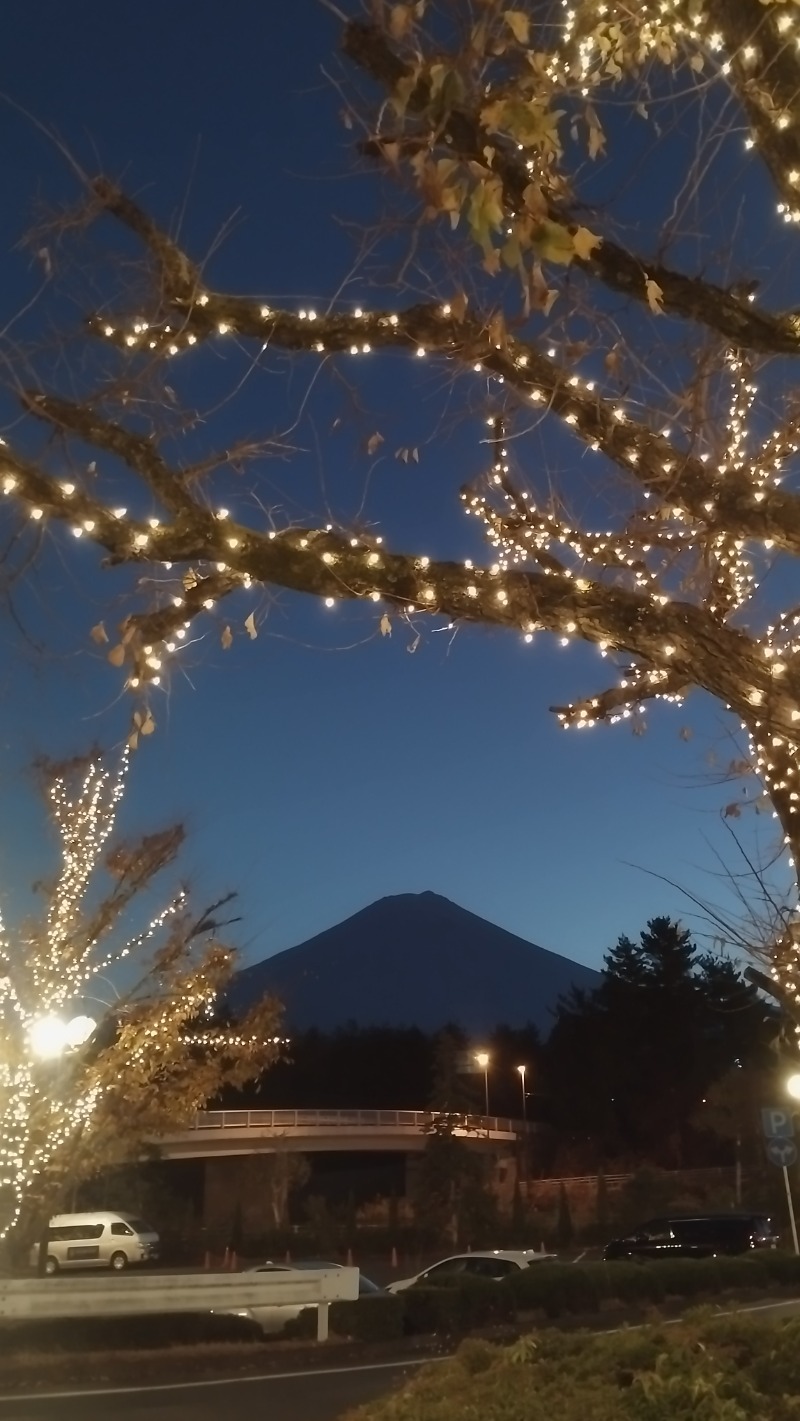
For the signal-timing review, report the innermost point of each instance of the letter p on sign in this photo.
(777, 1123)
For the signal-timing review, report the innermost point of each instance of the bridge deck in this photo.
(235, 1132)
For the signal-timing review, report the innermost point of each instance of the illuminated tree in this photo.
(591, 333)
(92, 1069)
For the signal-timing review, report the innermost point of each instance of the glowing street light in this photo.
(522, 1070)
(793, 1086)
(482, 1059)
(49, 1037)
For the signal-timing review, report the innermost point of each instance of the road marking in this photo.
(334, 1371)
(217, 1381)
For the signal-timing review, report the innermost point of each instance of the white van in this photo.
(102, 1239)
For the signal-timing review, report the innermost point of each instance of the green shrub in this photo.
(378, 1319)
(556, 1288)
(706, 1369)
(456, 1307)
(781, 1268)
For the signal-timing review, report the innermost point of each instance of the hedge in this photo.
(374, 1319)
(126, 1334)
(456, 1307)
(559, 1289)
(703, 1369)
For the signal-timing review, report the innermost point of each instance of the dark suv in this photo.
(695, 1236)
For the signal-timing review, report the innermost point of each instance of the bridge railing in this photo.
(344, 1119)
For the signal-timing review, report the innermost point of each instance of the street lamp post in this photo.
(523, 1149)
(482, 1060)
(522, 1070)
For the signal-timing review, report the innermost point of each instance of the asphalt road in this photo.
(308, 1396)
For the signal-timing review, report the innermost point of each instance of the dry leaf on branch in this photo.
(250, 626)
(226, 638)
(655, 296)
(519, 25)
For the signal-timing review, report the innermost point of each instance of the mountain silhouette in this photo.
(414, 959)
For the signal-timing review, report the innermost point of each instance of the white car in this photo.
(496, 1263)
(273, 1317)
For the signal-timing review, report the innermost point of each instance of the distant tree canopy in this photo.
(629, 1065)
(394, 1068)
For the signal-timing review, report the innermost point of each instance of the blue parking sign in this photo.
(777, 1123)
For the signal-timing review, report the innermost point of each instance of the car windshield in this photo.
(139, 1226)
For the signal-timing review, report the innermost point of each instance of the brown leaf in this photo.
(733, 811)
(458, 306)
(497, 330)
(250, 626)
(374, 443)
(99, 634)
(226, 638)
(519, 25)
(655, 296)
(117, 655)
(612, 361)
(133, 740)
(386, 626)
(585, 242)
(148, 725)
(400, 20)
(190, 579)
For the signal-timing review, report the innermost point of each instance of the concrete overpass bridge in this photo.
(217, 1133)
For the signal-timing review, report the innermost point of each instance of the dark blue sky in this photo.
(317, 778)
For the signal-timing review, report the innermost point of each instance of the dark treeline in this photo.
(665, 1062)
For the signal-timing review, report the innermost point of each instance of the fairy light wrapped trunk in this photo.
(489, 115)
(92, 1068)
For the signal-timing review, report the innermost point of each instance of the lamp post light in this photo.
(49, 1036)
(482, 1059)
(522, 1070)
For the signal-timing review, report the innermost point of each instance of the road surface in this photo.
(307, 1396)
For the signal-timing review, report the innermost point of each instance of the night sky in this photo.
(323, 765)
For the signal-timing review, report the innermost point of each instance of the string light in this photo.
(54, 1082)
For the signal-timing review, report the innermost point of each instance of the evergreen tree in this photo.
(628, 1065)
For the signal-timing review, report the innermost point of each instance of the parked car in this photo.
(497, 1263)
(102, 1239)
(273, 1317)
(695, 1236)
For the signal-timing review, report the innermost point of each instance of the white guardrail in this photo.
(38, 1298)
